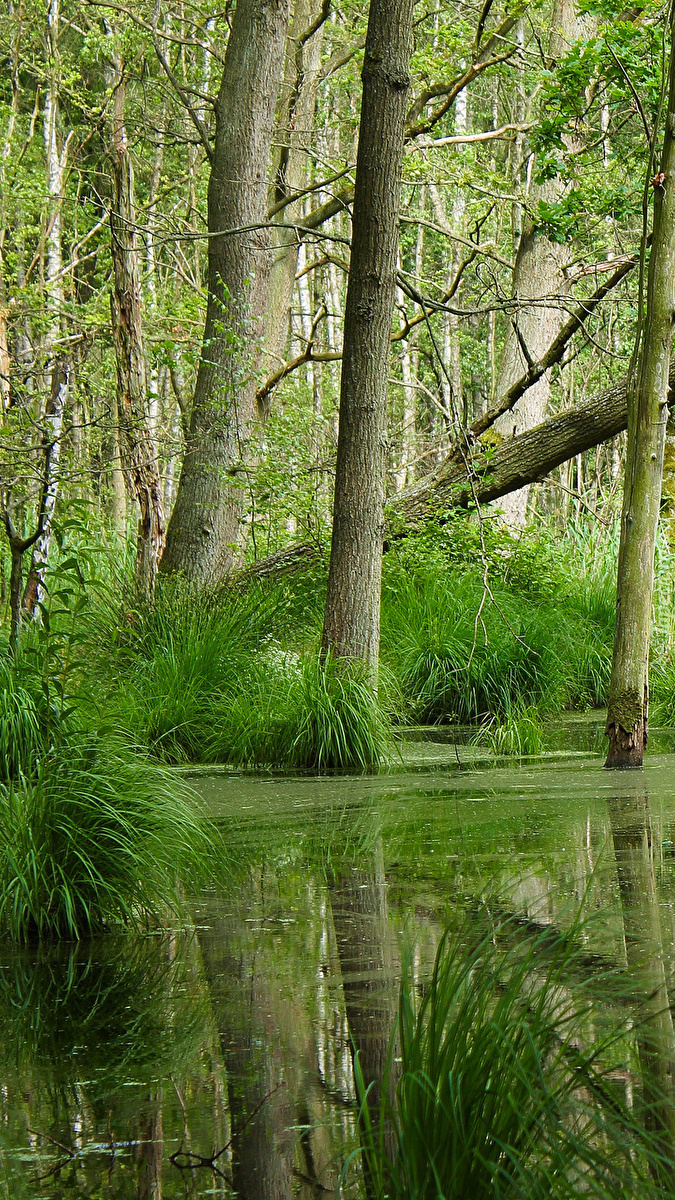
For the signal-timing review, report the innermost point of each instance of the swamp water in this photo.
(186, 1064)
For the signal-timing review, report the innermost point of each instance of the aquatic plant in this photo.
(93, 835)
(502, 1089)
(518, 732)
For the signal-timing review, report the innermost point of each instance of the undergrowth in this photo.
(482, 630)
(91, 833)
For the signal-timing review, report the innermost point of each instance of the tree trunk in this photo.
(59, 373)
(50, 486)
(303, 59)
(206, 516)
(647, 414)
(538, 274)
(137, 451)
(352, 618)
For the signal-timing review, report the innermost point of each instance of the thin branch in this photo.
(314, 187)
(554, 353)
(466, 139)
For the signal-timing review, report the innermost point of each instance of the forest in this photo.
(336, 451)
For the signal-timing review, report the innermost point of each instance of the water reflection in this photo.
(221, 1061)
(99, 1045)
(633, 840)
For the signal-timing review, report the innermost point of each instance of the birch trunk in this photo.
(58, 374)
(628, 707)
(53, 425)
(352, 617)
(204, 525)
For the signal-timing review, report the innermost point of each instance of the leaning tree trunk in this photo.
(647, 414)
(458, 485)
(205, 521)
(137, 450)
(352, 619)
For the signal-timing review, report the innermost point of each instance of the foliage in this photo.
(500, 1092)
(463, 652)
(338, 719)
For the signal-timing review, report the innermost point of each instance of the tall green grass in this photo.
(222, 678)
(505, 1088)
(233, 675)
(96, 836)
(91, 833)
(463, 655)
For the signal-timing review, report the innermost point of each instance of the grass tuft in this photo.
(503, 1089)
(338, 721)
(95, 836)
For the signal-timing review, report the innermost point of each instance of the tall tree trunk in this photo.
(647, 414)
(137, 450)
(206, 516)
(352, 617)
(303, 59)
(538, 274)
(59, 374)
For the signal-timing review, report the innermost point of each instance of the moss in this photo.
(491, 439)
(626, 710)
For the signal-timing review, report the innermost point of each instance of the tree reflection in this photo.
(97, 1042)
(632, 835)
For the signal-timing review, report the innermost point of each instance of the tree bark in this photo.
(539, 275)
(205, 521)
(352, 617)
(137, 451)
(303, 60)
(50, 486)
(627, 712)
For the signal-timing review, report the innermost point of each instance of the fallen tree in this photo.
(475, 475)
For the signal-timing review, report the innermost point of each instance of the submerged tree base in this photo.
(626, 748)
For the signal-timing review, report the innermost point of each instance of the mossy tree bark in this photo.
(647, 414)
(352, 618)
(204, 525)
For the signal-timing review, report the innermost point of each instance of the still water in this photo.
(218, 1056)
